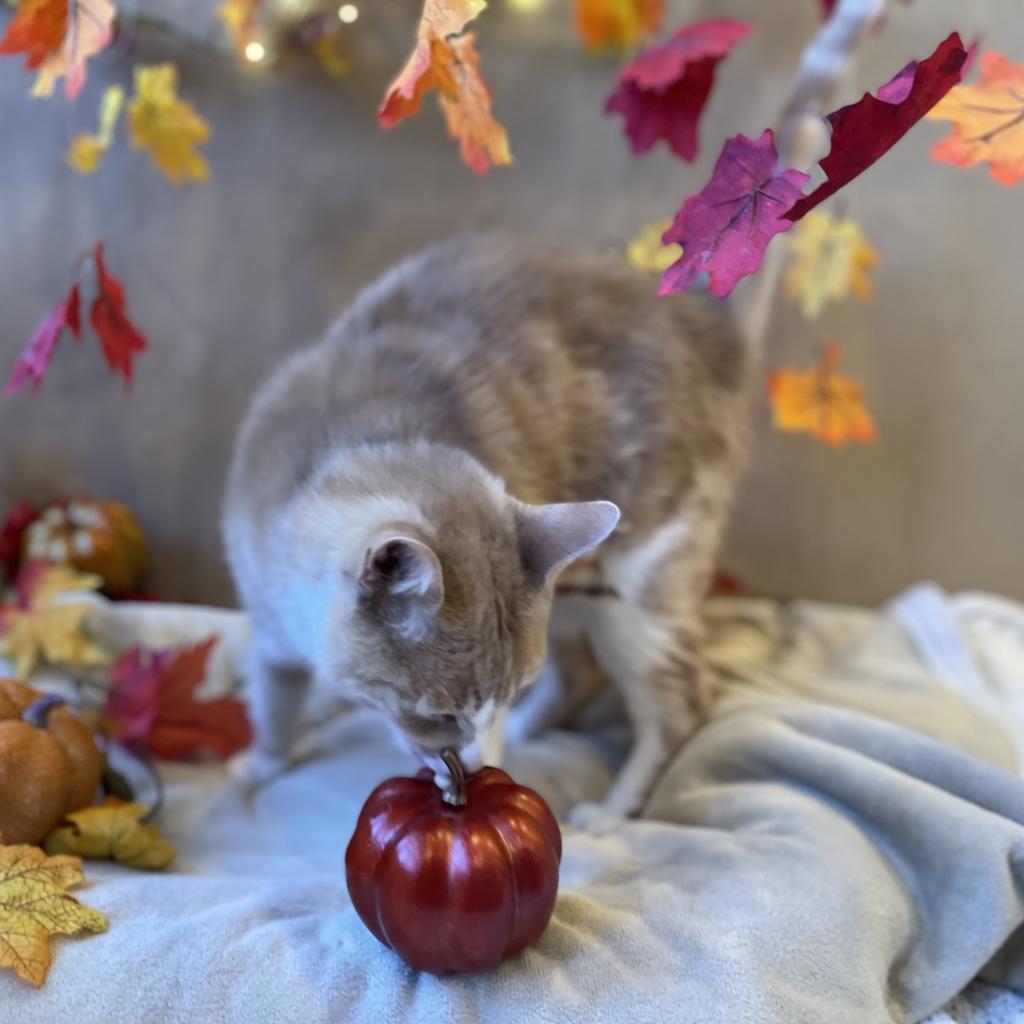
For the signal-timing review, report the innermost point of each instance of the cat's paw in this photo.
(593, 817)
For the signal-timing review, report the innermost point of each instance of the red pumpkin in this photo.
(454, 887)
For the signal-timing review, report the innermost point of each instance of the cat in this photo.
(404, 494)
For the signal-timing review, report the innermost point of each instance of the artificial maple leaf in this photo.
(36, 30)
(725, 228)
(46, 627)
(866, 130)
(240, 18)
(428, 67)
(617, 23)
(118, 336)
(166, 126)
(988, 121)
(35, 359)
(35, 905)
(468, 113)
(662, 92)
(820, 402)
(86, 151)
(112, 831)
(647, 251)
(152, 701)
(830, 258)
(88, 29)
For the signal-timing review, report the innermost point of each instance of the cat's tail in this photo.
(801, 136)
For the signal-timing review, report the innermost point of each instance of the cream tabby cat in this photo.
(405, 493)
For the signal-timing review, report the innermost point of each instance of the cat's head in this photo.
(450, 611)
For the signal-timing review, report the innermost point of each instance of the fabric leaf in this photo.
(662, 92)
(34, 361)
(88, 30)
(866, 130)
(166, 126)
(820, 402)
(725, 228)
(830, 258)
(36, 30)
(647, 251)
(86, 151)
(152, 700)
(988, 121)
(120, 340)
(112, 831)
(35, 905)
(618, 24)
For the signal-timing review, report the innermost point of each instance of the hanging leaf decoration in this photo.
(662, 92)
(617, 24)
(830, 258)
(86, 151)
(725, 228)
(34, 361)
(820, 402)
(988, 121)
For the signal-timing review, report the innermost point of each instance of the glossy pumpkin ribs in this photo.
(455, 888)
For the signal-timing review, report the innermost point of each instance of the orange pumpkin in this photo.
(101, 537)
(49, 763)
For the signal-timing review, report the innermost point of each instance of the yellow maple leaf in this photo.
(50, 628)
(89, 30)
(648, 252)
(165, 125)
(112, 831)
(830, 258)
(35, 905)
(325, 50)
(467, 110)
(988, 121)
(240, 18)
(617, 23)
(820, 402)
(86, 151)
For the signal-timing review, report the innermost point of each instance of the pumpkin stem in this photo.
(36, 713)
(458, 774)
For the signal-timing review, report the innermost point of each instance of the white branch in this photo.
(802, 135)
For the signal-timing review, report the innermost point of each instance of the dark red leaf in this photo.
(118, 335)
(152, 701)
(724, 228)
(12, 533)
(35, 359)
(866, 130)
(663, 91)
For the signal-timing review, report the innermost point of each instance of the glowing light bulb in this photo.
(255, 52)
(527, 6)
(348, 13)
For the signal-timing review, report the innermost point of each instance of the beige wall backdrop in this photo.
(310, 201)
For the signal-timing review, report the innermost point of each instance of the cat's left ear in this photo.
(552, 536)
(402, 582)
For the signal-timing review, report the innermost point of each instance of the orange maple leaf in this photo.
(617, 23)
(820, 402)
(37, 30)
(448, 62)
(468, 112)
(988, 121)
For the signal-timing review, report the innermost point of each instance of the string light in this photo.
(527, 6)
(255, 52)
(348, 13)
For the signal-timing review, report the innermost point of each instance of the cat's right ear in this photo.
(402, 583)
(552, 536)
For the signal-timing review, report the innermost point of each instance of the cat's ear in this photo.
(552, 536)
(402, 582)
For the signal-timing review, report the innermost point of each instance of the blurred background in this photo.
(310, 200)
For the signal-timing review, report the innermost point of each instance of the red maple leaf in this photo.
(152, 701)
(37, 30)
(866, 130)
(663, 91)
(725, 227)
(118, 335)
(34, 360)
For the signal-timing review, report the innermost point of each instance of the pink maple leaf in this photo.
(725, 228)
(865, 131)
(34, 361)
(663, 91)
